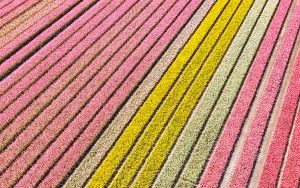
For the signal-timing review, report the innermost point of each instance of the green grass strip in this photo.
(123, 145)
(214, 124)
(96, 154)
(172, 167)
(159, 153)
